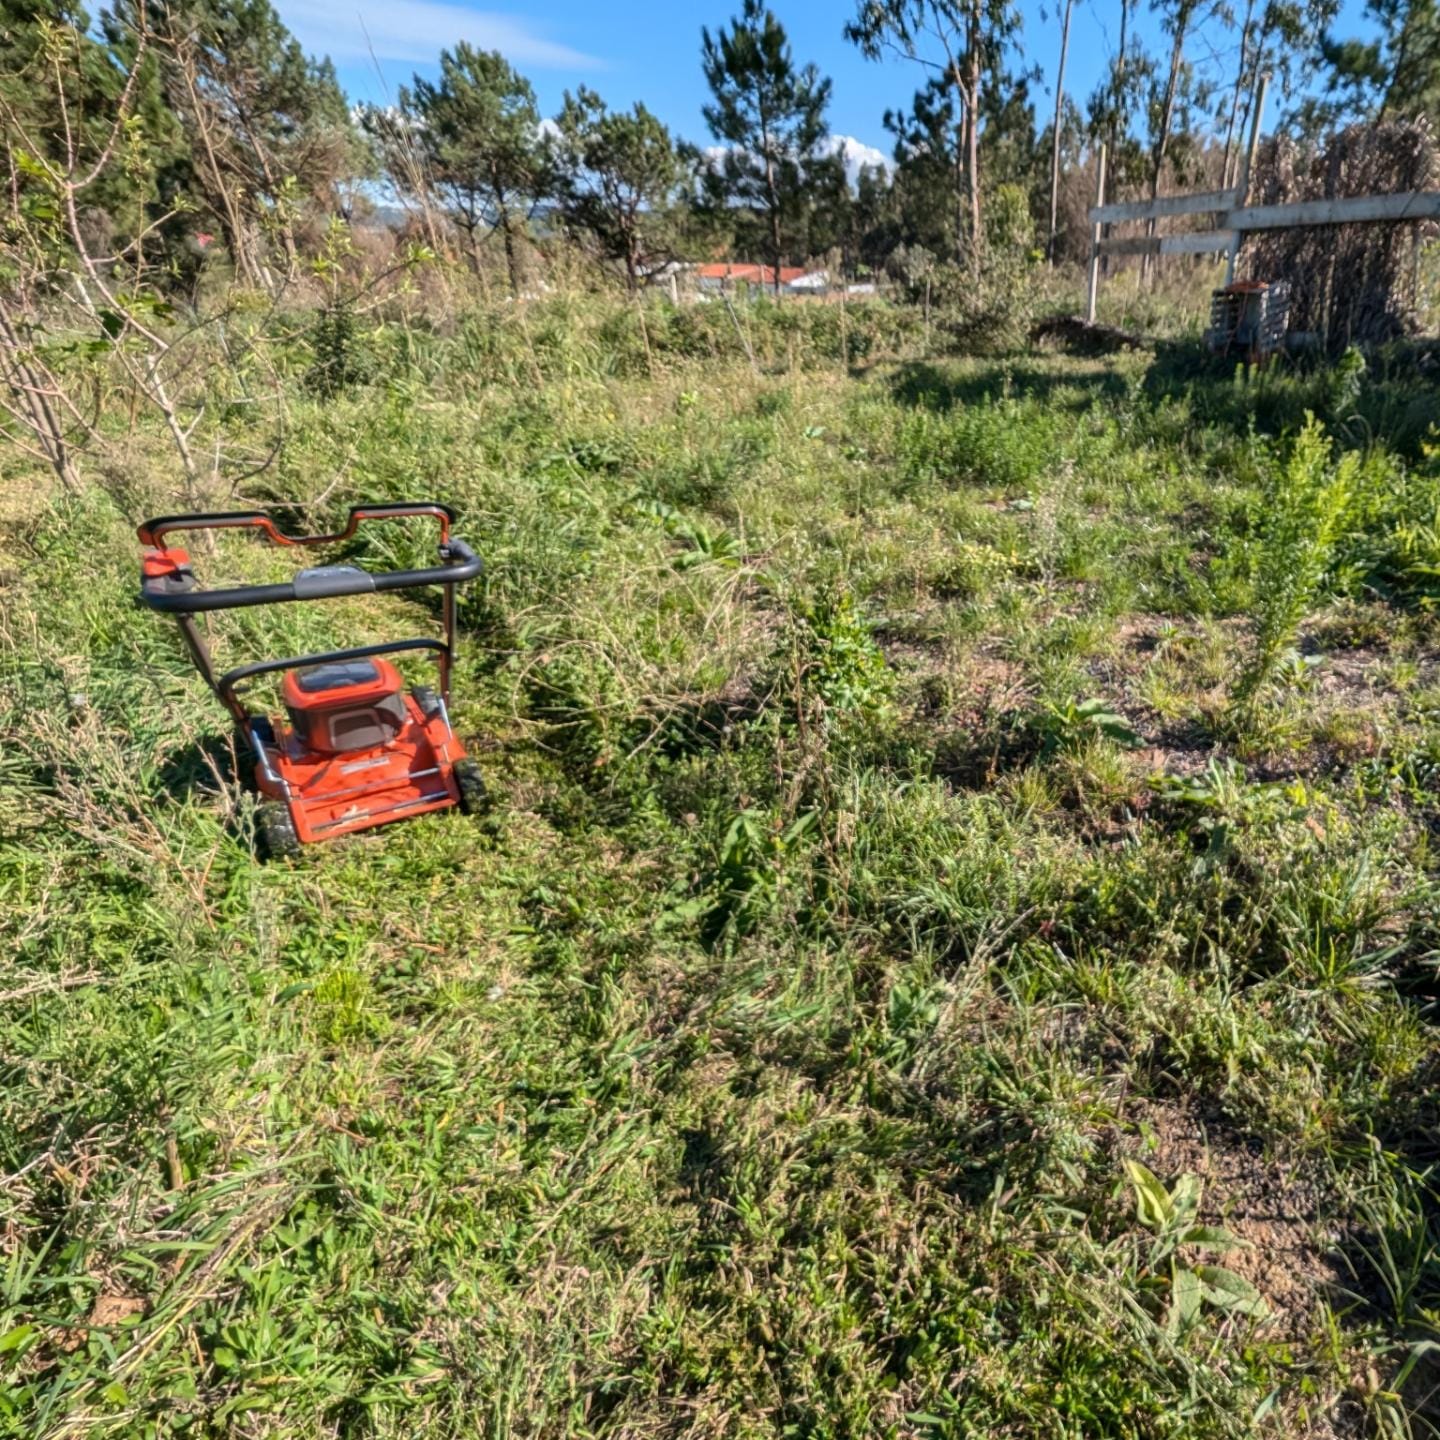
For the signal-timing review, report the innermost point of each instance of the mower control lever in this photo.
(225, 686)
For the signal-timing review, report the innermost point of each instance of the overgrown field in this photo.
(952, 952)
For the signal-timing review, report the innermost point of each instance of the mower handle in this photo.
(324, 583)
(225, 686)
(153, 532)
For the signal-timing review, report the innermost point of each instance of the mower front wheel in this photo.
(275, 831)
(470, 781)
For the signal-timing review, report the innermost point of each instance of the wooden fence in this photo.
(1233, 217)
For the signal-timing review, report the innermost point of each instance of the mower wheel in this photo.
(471, 783)
(426, 699)
(275, 831)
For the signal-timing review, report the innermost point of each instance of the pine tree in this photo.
(771, 115)
(617, 171)
(1394, 76)
(45, 44)
(268, 127)
(477, 135)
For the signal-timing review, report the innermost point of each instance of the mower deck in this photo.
(332, 795)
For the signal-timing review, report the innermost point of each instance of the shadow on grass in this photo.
(207, 766)
(922, 384)
(1397, 400)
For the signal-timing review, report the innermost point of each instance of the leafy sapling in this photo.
(1182, 1286)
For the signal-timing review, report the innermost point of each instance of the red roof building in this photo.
(725, 274)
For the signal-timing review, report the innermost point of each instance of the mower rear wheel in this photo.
(426, 699)
(275, 831)
(471, 784)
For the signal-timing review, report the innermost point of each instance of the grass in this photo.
(882, 880)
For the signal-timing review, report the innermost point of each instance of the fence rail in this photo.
(1194, 204)
(1233, 218)
(1203, 242)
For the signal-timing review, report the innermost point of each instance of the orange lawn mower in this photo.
(359, 750)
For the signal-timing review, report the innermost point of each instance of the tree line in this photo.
(229, 136)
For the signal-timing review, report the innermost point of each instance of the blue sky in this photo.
(651, 51)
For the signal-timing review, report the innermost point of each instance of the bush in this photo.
(1304, 502)
(344, 353)
(993, 312)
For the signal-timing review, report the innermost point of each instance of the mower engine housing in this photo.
(345, 705)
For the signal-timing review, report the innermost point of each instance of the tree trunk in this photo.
(224, 203)
(512, 260)
(39, 413)
(972, 107)
(1225, 181)
(1167, 117)
(1118, 85)
(773, 200)
(273, 187)
(1055, 147)
(960, 177)
(632, 269)
(507, 234)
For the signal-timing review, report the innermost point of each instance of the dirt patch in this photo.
(1274, 1206)
(112, 1309)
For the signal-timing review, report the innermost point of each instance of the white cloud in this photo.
(858, 156)
(415, 31)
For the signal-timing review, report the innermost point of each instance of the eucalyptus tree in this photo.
(963, 41)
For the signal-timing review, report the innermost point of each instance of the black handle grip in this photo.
(323, 584)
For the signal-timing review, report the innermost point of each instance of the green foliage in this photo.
(341, 358)
(617, 174)
(993, 312)
(1071, 724)
(968, 98)
(1342, 382)
(477, 133)
(771, 1048)
(1394, 74)
(276, 123)
(844, 667)
(1009, 230)
(1186, 1286)
(771, 114)
(1304, 502)
(744, 886)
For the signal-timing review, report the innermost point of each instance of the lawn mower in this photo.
(358, 750)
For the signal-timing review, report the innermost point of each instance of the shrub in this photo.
(344, 354)
(1305, 499)
(993, 311)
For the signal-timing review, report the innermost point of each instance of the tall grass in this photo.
(868, 891)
